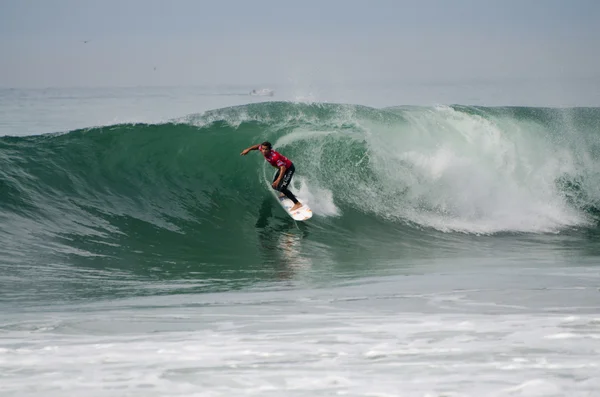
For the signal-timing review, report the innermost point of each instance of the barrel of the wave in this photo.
(295, 207)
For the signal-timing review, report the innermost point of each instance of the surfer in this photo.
(285, 170)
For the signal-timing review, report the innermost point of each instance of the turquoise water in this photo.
(453, 249)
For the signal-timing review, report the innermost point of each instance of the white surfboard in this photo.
(301, 214)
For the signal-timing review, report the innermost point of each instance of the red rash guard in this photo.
(277, 159)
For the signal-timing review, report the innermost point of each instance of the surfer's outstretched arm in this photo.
(253, 147)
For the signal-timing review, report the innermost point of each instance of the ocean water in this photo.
(454, 248)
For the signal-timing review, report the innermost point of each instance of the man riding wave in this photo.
(285, 170)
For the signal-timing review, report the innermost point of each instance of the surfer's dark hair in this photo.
(267, 144)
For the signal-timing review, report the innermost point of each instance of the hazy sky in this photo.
(192, 42)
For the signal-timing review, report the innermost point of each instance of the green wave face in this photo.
(177, 198)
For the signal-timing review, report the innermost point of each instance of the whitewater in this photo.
(453, 249)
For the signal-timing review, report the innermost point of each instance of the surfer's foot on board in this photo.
(281, 195)
(296, 206)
